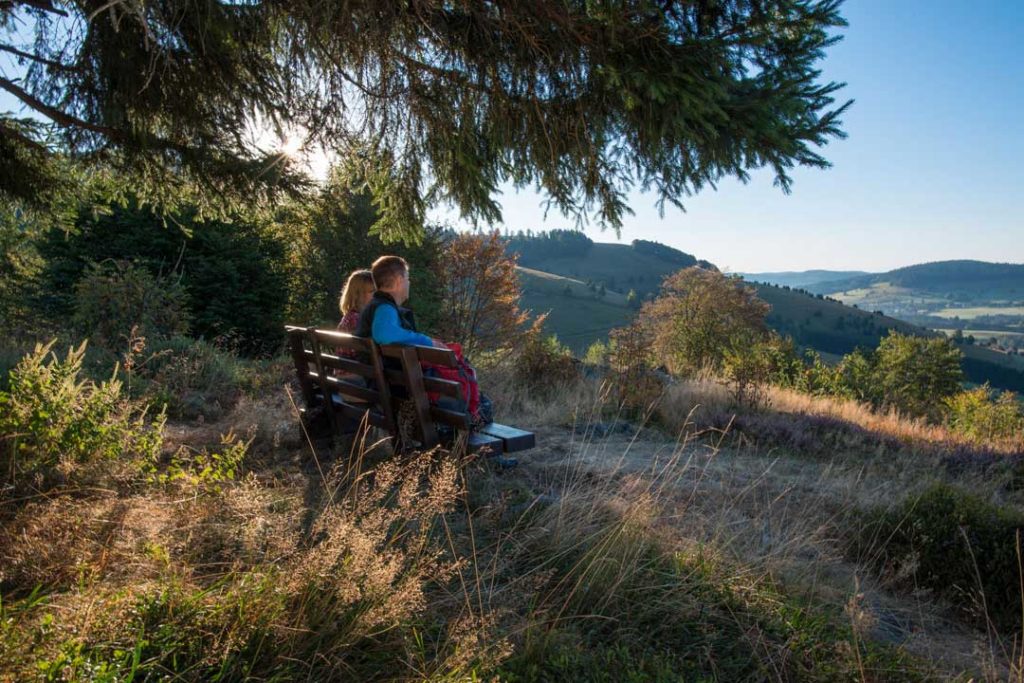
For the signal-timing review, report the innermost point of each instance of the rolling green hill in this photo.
(578, 316)
(620, 267)
(827, 325)
(945, 294)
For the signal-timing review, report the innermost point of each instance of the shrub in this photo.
(120, 300)
(981, 416)
(51, 421)
(748, 372)
(234, 273)
(203, 470)
(818, 378)
(542, 362)
(751, 369)
(915, 374)
(954, 543)
(597, 354)
(699, 315)
(634, 385)
(854, 378)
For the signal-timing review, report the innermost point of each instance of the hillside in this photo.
(983, 300)
(620, 267)
(827, 325)
(579, 316)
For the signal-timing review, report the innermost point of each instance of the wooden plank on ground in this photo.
(514, 439)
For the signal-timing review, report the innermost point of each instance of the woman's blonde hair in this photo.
(359, 283)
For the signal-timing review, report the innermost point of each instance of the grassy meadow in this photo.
(971, 312)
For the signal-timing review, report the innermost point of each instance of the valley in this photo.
(589, 288)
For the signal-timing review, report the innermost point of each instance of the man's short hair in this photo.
(387, 269)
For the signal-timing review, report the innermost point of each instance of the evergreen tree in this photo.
(425, 101)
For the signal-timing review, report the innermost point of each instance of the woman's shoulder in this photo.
(349, 322)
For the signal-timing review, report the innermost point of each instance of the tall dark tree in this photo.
(428, 100)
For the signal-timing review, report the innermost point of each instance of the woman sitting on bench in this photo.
(356, 293)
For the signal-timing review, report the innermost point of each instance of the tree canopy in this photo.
(425, 101)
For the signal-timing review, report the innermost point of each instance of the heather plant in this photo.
(52, 420)
(955, 544)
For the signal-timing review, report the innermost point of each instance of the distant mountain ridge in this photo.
(803, 278)
(965, 274)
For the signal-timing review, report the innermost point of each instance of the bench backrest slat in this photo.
(425, 354)
(334, 338)
(347, 389)
(431, 384)
(315, 363)
(348, 365)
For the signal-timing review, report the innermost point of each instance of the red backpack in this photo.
(463, 373)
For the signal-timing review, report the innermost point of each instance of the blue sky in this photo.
(931, 170)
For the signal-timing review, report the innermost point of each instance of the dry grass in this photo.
(822, 426)
(610, 554)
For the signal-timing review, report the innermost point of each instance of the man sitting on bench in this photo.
(386, 321)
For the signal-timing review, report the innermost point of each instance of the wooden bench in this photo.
(367, 388)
